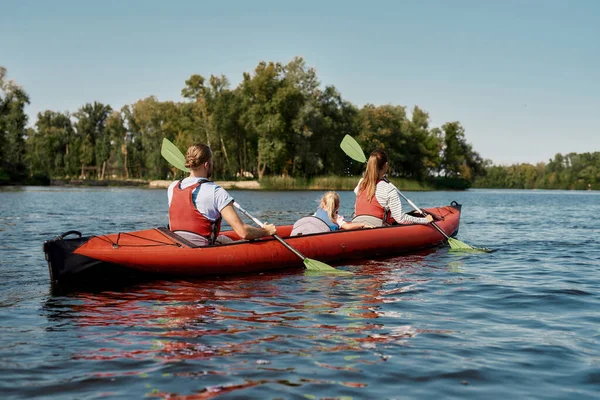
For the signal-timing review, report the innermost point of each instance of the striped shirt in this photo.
(387, 195)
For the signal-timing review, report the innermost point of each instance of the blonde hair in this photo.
(329, 201)
(196, 155)
(376, 162)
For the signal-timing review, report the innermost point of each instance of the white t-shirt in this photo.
(209, 197)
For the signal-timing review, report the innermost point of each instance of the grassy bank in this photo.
(105, 182)
(529, 186)
(332, 183)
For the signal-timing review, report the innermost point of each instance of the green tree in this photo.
(13, 128)
(148, 122)
(459, 160)
(422, 148)
(220, 113)
(266, 116)
(118, 138)
(94, 147)
(50, 145)
(385, 127)
(337, 118)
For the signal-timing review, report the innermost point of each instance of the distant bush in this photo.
(445, 183)
(283, 183)
(4, 177)
(412, 185)
(333, 182)
(14, 175)
(38, 179)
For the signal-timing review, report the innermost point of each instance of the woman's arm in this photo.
(244, 230)
(391, 199)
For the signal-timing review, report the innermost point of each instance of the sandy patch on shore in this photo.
(247, 185)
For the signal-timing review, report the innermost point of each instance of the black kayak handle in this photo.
(70, 233)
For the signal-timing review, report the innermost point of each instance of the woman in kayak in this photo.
(326, 218)
(197, 205)
(377, 199)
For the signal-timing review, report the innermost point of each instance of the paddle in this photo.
(354, 151)
(312, 265)
(171, 153)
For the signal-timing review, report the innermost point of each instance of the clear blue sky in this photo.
(523, 77)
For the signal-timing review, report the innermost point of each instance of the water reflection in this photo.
(280, 327)
(523, 319)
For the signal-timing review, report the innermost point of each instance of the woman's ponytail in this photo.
(376, 162)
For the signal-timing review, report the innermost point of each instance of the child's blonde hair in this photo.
(330, 202)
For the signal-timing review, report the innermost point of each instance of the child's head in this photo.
(330, 202)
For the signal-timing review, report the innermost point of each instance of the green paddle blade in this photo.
(314, 267)
(172, 154)
(457, 245)
(353, 149)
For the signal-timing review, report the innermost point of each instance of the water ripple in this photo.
(521, 322)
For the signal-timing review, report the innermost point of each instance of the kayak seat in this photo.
(377, 222)
(187, 239)
(309, 225)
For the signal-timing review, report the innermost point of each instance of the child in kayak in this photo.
(326, 218)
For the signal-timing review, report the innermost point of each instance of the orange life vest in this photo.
(373, 208)
(184, 216)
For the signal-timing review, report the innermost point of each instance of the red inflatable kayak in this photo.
(159, 251)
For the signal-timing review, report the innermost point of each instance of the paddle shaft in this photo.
(256, 221)
(422, 213)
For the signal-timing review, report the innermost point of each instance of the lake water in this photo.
(523, 322)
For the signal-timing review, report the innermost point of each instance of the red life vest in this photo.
(184, 216)
(373, 208)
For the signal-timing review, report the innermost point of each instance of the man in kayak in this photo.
(197, 205)
(377, 199)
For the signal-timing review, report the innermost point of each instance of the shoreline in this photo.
(250, 185)
(226, 184)
(267, 183)
(243, 185)
(275, 184)
(270, 185)
(143, 183)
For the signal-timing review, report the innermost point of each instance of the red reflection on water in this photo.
(208, 393)
(345, 368)
(184, 320)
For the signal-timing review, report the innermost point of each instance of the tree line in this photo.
(570, 171)
(278, 121)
